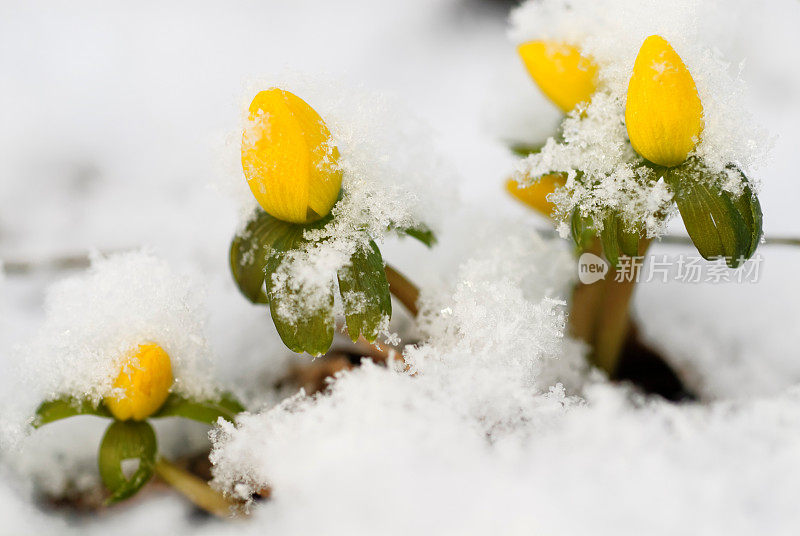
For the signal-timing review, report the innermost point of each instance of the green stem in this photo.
(585, 304)
(403, 289)
(613, 318)
(612, 325)
(195, 489)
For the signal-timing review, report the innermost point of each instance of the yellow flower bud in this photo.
(535, 195)
(664, 114)
(288, 158)
(144, 381)
(565, 76)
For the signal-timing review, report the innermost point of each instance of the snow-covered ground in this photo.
(119, 130)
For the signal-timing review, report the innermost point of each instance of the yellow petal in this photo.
(535, 195)
(289, 160)
(561, 72)
(142, 385)
(663, 114)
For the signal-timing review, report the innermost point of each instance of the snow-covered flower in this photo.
(328, 198)
(143, 384)
(97, 322)
(288, 158)
(125, 342)
(659, 132)
(563, 74)
(664, 115)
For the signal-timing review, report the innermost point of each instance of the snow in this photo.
(611, 465)
(489, 343)
(94, 320)
(116, 118)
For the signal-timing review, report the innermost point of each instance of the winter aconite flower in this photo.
(535, 195)
(289, 159)
(664, 115)
(294, 254)
(143, 384)
(565, 76)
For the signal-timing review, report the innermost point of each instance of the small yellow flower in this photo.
(565, 76)
(144, 379)
(288, 158)
(535, 195)
(664, 114)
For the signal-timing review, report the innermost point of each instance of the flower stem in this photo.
(377, 350)
(195, 489)
(612, 324)
(403, 289)
(613, 318)
(585, 304)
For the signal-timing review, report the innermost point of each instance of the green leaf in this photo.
(255, 256)
(249, 253)
(311, 333)
(617, 239)
(128, 442)
(750, 209)
(420, 232)
(54, 410)
(712, 219)
(628, 239)
(206, 411)
(365, 293)
(250, 250)
(526, 149)
(582, 230)
(610, 240)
